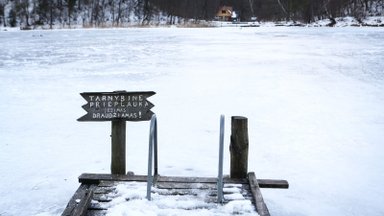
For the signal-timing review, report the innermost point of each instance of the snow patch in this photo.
(129, 199)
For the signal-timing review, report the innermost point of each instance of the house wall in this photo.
(224, 13)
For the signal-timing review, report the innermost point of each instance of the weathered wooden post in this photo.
(118, 147)
(118, 107)
(239, 147)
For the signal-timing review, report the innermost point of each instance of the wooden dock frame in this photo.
(80, 204)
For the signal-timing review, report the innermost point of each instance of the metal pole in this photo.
(220, 183)
(152, 141)
(156, 171)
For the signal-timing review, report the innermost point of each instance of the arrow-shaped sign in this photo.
(118, 105)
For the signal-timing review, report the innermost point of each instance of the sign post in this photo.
(118, 147)
(117, 107)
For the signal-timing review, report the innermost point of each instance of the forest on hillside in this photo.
(106, 13)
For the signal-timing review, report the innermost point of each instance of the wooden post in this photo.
(118, 147)
(239, 147)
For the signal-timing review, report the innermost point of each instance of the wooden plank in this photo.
(101, 198)
(272, 183)
(186, 179)
(79, 194)
(188, 192)
(104, 190)
(89, 178)
(178, 192)
(261, 207)
(183, 185)
(97, 205)
(80, 201)
(81, 209)
(107, 184)
(96, 213)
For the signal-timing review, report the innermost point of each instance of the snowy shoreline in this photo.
(372, 21)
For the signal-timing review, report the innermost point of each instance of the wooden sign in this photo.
(118, 105)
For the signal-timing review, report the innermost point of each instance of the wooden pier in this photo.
(96, 194)
(91, 196)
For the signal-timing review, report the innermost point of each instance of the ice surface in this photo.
(313, 96)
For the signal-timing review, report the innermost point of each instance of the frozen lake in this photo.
(314, 99)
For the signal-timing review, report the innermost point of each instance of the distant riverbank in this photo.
(372, 21)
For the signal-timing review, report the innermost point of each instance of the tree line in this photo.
(98, 13)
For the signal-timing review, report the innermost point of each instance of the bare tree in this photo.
(70, 8)
(2, 12)
(22, 7)
(282, 7)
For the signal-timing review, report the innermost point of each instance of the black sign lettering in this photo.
(119, 105)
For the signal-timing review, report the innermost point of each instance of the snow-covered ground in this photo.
(372, 21)
(129, 199)
(348, 21)
(313, 96)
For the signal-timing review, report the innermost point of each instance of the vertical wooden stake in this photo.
(118, 147)
(239, 147)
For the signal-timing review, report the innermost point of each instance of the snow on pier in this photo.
(107, 194)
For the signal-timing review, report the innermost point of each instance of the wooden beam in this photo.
(78, 205)
(198, 179)
(183, 185)
(273, 183)
(261, 207)
(89, 178)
